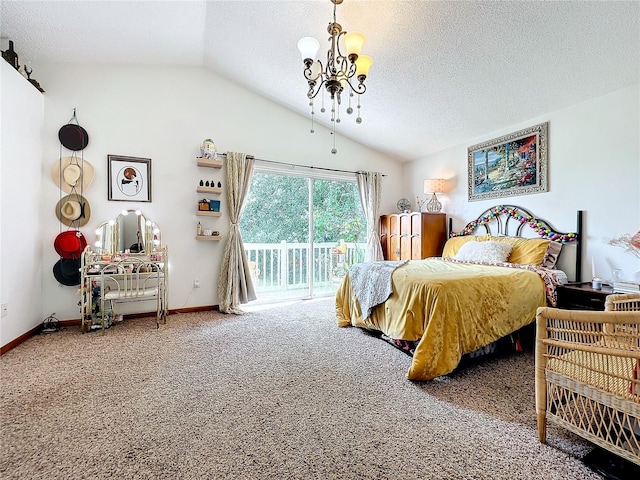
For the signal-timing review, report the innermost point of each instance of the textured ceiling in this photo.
(444, 73)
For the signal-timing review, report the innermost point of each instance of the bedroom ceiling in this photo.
(444, 73)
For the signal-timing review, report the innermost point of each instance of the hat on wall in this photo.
(73, 136)
(72, 172)
(73, 210)
(70, 244)
(67, 271)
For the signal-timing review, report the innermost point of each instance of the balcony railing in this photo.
(282, 267)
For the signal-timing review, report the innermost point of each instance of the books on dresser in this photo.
(626, 286)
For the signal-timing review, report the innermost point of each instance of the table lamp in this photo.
(433, 186)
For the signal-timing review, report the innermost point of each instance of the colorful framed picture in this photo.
(129, 179)
(515, 164)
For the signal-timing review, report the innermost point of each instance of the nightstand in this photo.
(580, 296)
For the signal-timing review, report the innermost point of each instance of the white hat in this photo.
(72, 172)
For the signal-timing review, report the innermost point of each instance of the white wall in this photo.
(594, 165)
(22, 117)
(164, 114)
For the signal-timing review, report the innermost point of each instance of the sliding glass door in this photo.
(301, 233)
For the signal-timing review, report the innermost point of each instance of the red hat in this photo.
(70, 244)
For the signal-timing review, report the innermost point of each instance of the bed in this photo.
(443, 308)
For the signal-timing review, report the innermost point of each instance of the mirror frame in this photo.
(108, 234)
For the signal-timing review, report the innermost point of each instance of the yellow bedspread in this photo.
(451, 308)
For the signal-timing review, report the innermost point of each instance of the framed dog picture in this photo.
(129, 178)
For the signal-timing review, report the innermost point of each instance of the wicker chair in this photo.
(588, 373)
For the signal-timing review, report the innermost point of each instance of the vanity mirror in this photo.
(131, 230)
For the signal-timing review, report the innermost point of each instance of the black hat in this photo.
(67, 271)
(73, 137)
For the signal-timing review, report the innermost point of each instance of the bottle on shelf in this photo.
(11, 56)
(199, 230)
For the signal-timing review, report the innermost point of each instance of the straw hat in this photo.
(70, 244)
(72, 172)
(73, 210)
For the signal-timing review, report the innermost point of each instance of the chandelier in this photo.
(339, 73)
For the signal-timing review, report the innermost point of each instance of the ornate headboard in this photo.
(510, 220)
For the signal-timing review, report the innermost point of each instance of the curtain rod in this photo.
(300, 166)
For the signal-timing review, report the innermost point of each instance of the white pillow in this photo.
(486, 252)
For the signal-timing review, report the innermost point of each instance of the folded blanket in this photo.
(371, 282)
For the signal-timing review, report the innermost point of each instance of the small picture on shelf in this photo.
(209, 205)
(214, 205)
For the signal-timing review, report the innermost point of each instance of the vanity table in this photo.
(127, 264)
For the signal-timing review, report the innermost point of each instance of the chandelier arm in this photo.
(315, 89)
(331, 60)
(349, 70)
(307, 72)
(341, 62)
(360, 87)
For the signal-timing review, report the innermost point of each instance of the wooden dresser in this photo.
(412, 236)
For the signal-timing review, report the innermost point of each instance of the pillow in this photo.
(551, 257)
(486, 252)
(452, 246)
(526, 251)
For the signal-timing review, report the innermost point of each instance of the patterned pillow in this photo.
(453, 245)
(551, 256)
(486, 252)
(532, 251)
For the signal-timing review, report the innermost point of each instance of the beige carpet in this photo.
(280, 393)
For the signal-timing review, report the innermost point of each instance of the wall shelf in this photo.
(204, 213)
(209, 162)
(209, 190)
(208, 238)
(212, 190)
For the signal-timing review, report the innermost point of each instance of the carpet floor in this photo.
(277, 393)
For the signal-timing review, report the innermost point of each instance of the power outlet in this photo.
(5, 309)
(196, 283)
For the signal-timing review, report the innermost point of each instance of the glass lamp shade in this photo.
(363, 63)
(434, 185)
(308, 47)
(353, 41)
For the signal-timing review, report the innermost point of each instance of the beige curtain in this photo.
(235, 285)
(370, 190)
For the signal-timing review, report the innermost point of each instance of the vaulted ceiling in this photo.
(444, 73)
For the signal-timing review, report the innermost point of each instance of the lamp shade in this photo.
(353, 41)
(308, 47)
(363, 63)
(435, 185)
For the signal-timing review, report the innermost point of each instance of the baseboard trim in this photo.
(205, 308)
(22, 338)
(76, 322)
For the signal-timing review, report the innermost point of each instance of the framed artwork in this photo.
(515, 164)
(129, 178)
